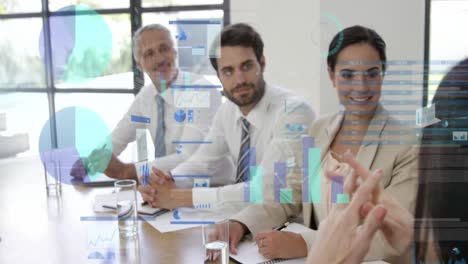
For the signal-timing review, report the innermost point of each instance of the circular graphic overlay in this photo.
(179, 115)
(81, 44)
(84, 145)
(338, 25)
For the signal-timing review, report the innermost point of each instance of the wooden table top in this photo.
(36, 228)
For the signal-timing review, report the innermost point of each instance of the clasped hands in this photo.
(160, 191)
(346, 234)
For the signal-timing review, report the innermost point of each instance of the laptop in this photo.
(100, 181)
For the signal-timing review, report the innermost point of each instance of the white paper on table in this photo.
(175, 220)
(188, 218)
(111, 199)
(247, 251)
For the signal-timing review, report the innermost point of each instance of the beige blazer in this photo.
(380, 148)
(388, 145)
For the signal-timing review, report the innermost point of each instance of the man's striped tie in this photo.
(159, 142)
(243, 165)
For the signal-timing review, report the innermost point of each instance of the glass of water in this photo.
(52, 172)
(125, 191)
(216, 241)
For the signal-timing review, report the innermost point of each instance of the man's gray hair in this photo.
(136, 37)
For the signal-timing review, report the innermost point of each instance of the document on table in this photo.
(101, 200)
(106, 203)
(178, 219)
(247, 251)
(183, 218)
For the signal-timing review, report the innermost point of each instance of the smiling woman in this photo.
(366, 131)
(357, 70)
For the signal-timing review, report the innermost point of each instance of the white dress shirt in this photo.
(144, 106)
(270, 121)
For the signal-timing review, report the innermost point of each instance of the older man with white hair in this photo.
(155, 108)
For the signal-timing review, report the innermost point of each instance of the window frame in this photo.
(427, 39)
(136, 11)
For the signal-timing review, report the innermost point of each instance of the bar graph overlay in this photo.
(249, 182)
(282, 193)
(336, 187)
(286, 195)
(315, 174)
(342, 198)
(256, 184)
(280, 179)
(307, 143)
(311, 171)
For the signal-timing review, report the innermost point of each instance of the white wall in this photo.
(295, 34)
(401, 25)
(291, 49)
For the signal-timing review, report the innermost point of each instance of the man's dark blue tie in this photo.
(243, 165)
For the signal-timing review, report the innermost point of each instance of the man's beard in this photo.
(258, 92)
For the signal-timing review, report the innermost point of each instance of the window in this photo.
(78, 53)
(25, 113)
(21, 65)
(153, 3)
(55, 5)
(78, 62)
(448, 41)
(16, 6)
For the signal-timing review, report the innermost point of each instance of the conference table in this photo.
(40, 228)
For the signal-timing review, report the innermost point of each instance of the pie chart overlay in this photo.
(80, 131)
(339, 27)
(179, 115)
(81, 44)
